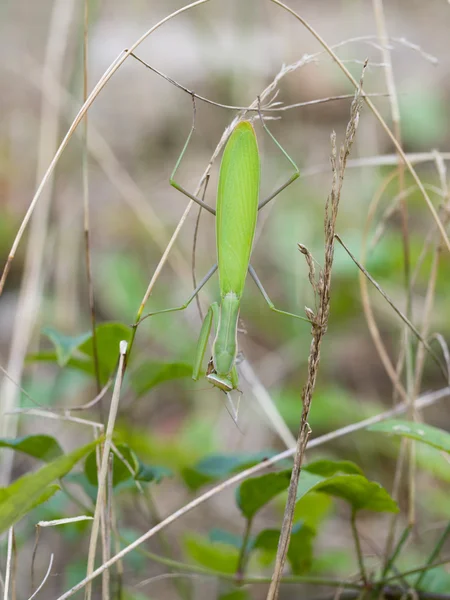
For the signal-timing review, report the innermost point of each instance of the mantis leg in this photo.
(256, 279)
(176, 185)
(291, 179)
(203, 339)
(205, 279)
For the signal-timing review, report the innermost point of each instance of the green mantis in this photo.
(236, 215)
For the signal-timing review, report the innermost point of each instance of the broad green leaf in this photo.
(307, 482)
(152, 472)
(300, 552)
(438, 438)
(255, 493)
(44, 447)
(49, 491)
(80, 357)
(435, 581)
(83, 364)
(359, 492)
(19, 497)
(326, 468)
(218, 466)
(65, 345)
(312, 509)
(152, 373)
(108, 338)
(433, 461)
(217, 556)
(121, 471)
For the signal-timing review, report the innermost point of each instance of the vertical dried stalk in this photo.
(102, 475)
(31, 285)
(87, 231)
(319, 327)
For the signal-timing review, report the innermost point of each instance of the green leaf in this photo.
(435, 581)
(218, 466)
(255, 493)
(152, 373)
(438, 438)
(121, 472)
(49, 491)
(65, 345)
(327, 468)
(108, 338)
(359, 492)
(300, 552)
(44, 447)
(77, 352)
(312, 509)
(150, 473)
(217, 556)
(21, 496)
(307, 482)
(85, 365)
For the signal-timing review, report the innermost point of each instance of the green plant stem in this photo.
(243, 553)
(421, 569)
(362, 568)
(294, 579)
(434, 554)
(396, 552)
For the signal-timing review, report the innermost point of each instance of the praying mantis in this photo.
(236, 216)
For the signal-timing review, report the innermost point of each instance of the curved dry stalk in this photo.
(43, 582)
(405, 320)
(79, 117)
(365, 299)
(103, 471)
(377, 115)
(422, 402)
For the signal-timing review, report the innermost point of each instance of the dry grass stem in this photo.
(102, 475)
(319, 328)
(274, 419)
(115, 65)
(378, 116)
(424, 401)
(44, 580)
(403, 317)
